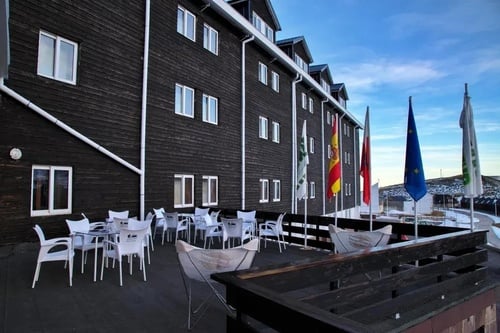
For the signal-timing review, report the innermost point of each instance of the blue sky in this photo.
(387, 50)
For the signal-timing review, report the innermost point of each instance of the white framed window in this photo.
(328, 117)
(311, 145)
(210, 39)
(276, 131)
(51, 190)
(263, 127)
(275, 81)
(276, 190)
(325, 85)
(210, 109)
(301, 63)
(264, 190)
(183, 191)
(304, 101)
(311, 105)
(184, 100)
(312, 190)
(210, 190)
(263, 73)
(186, 23)
(57, 58)
(262, 26)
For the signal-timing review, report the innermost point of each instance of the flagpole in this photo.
(336, 200)
(416, 222)
(305, 220)
(369, 167)
(471, 214)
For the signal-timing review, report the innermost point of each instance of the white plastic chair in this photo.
(198, 264)
(199, 221)
(121, 215)
(160, 220)
(134, 224)
(81, 241)
(213, 229)
(273, 229)
(55, 249)
(248, 217)
(129, 243)
(173, 225)
(236, 229)
(348, 241)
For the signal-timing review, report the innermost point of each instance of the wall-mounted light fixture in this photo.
(16, 153)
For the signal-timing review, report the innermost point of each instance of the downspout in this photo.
(65, 127)
(323, 152)
(342, 187)
(297, 79)
(144, 104)
(243, 118)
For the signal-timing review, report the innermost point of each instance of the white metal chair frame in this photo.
(50, 251)
(197, 264)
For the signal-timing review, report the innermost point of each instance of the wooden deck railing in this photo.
(384, 289)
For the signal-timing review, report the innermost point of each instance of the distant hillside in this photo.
(447, 185)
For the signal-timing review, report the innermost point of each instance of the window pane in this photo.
(213, 190)
(189, 106)
(46, 56)
(214, 41)
(177, 191)
(61, 185)
(204, 195)
(206, 36)
(40, 189)
(213, 110)
(66, 57)
(178, 99)
(190, 21)
(180, 21)
(188, 194)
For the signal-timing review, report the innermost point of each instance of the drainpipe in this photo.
(144, 103)
(297, 79)
(323, 153)
(246, 40)
(342, 187)
(65, 127)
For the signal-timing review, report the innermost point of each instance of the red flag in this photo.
(334, 168)
(365, 161)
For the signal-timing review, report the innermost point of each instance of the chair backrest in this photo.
(246, 216)
(149, 217)
(215, 216)
(159, 212)
(200, 211)
(75, 226)
(131, 241)
(134, 224)
(39, 232)
(171, 219)
(122, 215)
(209, 221)
(120, 223)
(233, 227)
(279, 223)
(198, 264)
(349, 241)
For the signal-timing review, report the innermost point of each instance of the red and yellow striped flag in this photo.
(334, 168)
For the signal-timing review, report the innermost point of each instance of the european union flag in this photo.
(414, 171)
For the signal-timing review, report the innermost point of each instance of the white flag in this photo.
(302, 166)
(473, 185)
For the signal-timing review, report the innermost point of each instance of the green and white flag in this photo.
(473, 185)
(302, 166)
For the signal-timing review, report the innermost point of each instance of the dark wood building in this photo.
(146, 104)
